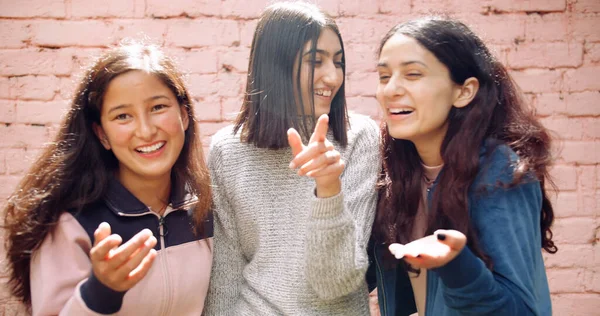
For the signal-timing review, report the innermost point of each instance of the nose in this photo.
(394, 87)
(332, 75)
(146, 128)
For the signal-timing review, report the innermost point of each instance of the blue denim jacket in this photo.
(508, 224)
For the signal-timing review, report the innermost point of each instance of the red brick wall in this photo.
(552, 48)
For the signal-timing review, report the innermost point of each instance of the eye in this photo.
(339, 64)
(158, 107)
(384, 78)
(315, 62)
(122, 117)
(414, 75)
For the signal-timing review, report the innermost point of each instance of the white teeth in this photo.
(149, 149)
(400, 111)
(325, 93)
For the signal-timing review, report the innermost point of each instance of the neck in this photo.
(430, 148)
(152, 192)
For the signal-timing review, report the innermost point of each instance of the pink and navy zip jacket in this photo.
(176, 284)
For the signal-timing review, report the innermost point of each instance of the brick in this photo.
(538, 80)
(365, 105)
(574, 230)
(223, 84)
(365, 31)
(84, 58)
(360, 58)
(581, 152)
(230, 108)
(196, 61)
(586, 176)
(527, 5)
(583, 103)
(37, 87)
(586, 6)
(234, 60)
(92, 33)
(357, 8)
(575, 304)
(34, 112)
(2, 171)
(445, 7)
(247, 29)
(565, 177)
(582, 79)
(109, 8)
(584, 27)
(567, 204)
(22, 136)
(589, 203)
(208, 109)
(209, 129)
(7, 186)
(591, 128)
(362, 84)
(241, 9)
(67, 87)
(583, 253)
(594, 281)
(14, 33)
(566, 280)
(549, 27)
(496, 29)
(209, 32)
(29, 61)
(148, 31)
(395, 7)
(565, 127)
(549, 104)
(592, 53)
(7, 112)
(545, 55)
(18, 161)
(32, 8)
(190, 8)
(500, 52)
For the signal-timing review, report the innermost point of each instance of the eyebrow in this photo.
(406, 63)
(324, 52)
(122, 106)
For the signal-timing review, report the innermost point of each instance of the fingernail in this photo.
(292, 165)
(441, 236)
(418, 256)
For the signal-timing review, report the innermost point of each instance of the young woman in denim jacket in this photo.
(462, 199)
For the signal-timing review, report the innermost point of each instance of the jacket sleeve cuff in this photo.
(462, 270)
(326, 208)
(100, 298)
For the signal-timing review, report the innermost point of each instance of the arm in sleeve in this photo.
(228, 261)
(60, 275)
(507, 222)
(340, 226)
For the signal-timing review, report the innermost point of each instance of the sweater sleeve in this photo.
(339, 227)
(507, 222)
(60, 275)
(228, 261)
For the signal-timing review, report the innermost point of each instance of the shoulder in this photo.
(497, 164)
(224, 136)
(362, 126)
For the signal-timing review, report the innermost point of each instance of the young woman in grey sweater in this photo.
(293, 179)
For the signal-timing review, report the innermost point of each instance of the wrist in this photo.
(325, 190)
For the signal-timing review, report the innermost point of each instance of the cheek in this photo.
(119, 135)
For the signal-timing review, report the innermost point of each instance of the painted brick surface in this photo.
(552, 48)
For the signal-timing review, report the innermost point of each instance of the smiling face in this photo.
(328, 72)
(143, 124)
(415, 91)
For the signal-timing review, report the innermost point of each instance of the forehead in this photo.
(133, 85)
(402, 48)
(328, 41)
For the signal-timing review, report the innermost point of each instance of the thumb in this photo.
(453, 238)
(295, 141)
(101, 232)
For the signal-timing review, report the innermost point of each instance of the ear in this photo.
(185, 119)
(466, 92)
(99, 131)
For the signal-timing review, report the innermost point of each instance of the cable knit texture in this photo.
(280, 250)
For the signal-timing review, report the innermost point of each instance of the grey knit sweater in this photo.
(280, 250)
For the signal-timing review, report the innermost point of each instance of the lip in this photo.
(154, 153)
(398, 117)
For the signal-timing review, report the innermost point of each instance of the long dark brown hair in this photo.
(273, 96)
(497, 112)
(74, 169)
